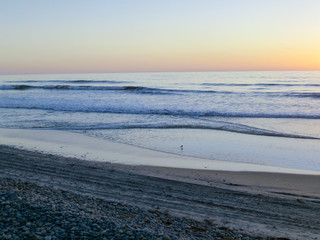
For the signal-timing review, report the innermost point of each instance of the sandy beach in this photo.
(247, 205)
(158, 120)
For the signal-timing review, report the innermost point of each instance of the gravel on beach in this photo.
(45, 196)
(30, 211)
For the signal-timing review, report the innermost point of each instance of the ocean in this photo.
(270, 118)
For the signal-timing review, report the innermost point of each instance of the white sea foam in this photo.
(285, 105)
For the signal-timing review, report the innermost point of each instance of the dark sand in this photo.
(258, 204)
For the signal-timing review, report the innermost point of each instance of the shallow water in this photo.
(277, 113)
(222, 145)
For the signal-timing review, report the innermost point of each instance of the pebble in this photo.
(8, 236)
(29, 211)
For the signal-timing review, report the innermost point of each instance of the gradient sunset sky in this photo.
(77, 36)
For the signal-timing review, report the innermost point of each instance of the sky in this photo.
(96, 36)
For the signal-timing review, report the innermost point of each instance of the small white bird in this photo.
(181, 147)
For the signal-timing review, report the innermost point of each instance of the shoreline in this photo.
(223, 198)
(70, 144)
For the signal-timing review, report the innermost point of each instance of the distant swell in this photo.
(67, 81)
(85, 81)
(262, 84)
(74, 87)
(147, 90)
(304, 95)
(137, 89)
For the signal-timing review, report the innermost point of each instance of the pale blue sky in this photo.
(146, 35)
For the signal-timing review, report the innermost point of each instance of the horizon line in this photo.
(168, 71)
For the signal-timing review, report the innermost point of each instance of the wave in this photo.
(229, 127)
(262, 84)
(305, 95)
(164, 112)
(85, 81)
(15, 87)
(137, 89)
(148, 90)
(67, 81)
(73, 87)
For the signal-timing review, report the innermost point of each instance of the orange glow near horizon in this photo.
(209, 59)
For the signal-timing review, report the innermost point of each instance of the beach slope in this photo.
(185, 203)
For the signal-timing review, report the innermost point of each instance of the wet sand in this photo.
(254, 203)
(77, 145)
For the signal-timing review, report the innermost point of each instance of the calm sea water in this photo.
(263, 110)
